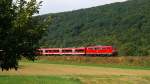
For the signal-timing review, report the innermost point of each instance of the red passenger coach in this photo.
(62, 51)
(91, 50)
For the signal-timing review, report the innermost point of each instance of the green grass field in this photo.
(47, 72)
(86, 79)
(37, 80)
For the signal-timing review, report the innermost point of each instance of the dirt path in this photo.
(58, 69)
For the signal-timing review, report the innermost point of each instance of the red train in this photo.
(90, 50)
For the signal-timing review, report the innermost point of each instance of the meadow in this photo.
(73, 70)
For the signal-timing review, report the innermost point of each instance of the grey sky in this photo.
(55, 6)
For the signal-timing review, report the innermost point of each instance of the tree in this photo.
(19, 31)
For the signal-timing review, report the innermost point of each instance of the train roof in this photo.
(62, 48)
(74, 47)
(100, 46)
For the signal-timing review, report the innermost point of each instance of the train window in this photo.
(55, 50)
(90, 48)
(94, 48)
(66, 50)
(108, 48)
(97, 48)
(79, 50)
(103, 48)
(40, 51)
(48, 51)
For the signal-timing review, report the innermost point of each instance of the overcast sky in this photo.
(55, 6)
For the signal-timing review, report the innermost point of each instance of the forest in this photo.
(124, 25)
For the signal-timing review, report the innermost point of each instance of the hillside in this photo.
(124, 25)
